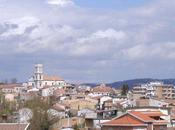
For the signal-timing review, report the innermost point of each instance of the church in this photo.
(39, 79)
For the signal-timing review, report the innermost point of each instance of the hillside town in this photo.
(48, 102)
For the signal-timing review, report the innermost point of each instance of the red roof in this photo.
(153, 113)
(60, 91)
(52, 78)
(137, 118)
(103, 88)
(126, 120)
(58, 107)
(141, 116)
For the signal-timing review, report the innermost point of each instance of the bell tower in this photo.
(38, 76)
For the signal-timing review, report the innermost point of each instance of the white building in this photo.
(39, 79)
(47, 91)
(154, 89)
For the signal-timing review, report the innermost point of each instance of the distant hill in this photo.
(133, 82)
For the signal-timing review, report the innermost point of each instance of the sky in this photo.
(88, 40)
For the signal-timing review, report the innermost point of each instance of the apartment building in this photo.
(154, 90)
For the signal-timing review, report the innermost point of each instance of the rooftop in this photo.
(52, 78)
(13, 126)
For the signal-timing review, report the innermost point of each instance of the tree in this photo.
(76, 127)
(125, 89)
(39, 119)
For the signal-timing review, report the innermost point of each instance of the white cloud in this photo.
(100, 42)
(22, 24)
(117, 39)
(61, 3)
(110, 33)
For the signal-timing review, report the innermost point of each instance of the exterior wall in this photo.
(137, 95)
(157, 103)
(154, 89)
(10, 97)
(8, 90)
(168, 92)
(19, 89)
(48, 91)
(159, 91)
(150, 126)
(80, 104)
(51, 83)
(38, 75)
(163, 127)
(123, 128)
(89, 123)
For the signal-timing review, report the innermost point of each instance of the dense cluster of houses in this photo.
(148, 106)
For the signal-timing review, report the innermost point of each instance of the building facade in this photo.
(39, 79)
(154, 90)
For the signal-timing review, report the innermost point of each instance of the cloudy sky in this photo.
(88, 40)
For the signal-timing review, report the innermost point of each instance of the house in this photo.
(9, 97)
(14, 126)
(12, 88)
(58, 111)
(89, 115)
(136, 120)
(28, 96)
(47, 91)
(166, 111)
(150, 102)
(123, 101)
(102, 90)
(59, 92)
(101, 101)
(77, 104)
(25, 114)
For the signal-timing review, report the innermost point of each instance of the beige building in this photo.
(154, 90)
(78, 104)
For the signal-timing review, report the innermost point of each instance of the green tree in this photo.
(76, 127)
(125, 89)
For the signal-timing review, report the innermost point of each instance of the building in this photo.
(102, 90)
(154, 90)
(12, 88)
(136, 120)
(150, 102)
(14, 126)
(39, 79)
(47, 91)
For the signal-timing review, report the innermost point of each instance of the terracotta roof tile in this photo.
(126, 120)
(60, 91)
(52, 78)
(141, 116)
(136, 118)
(13, 126)
(153, 113)
(103, 88)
